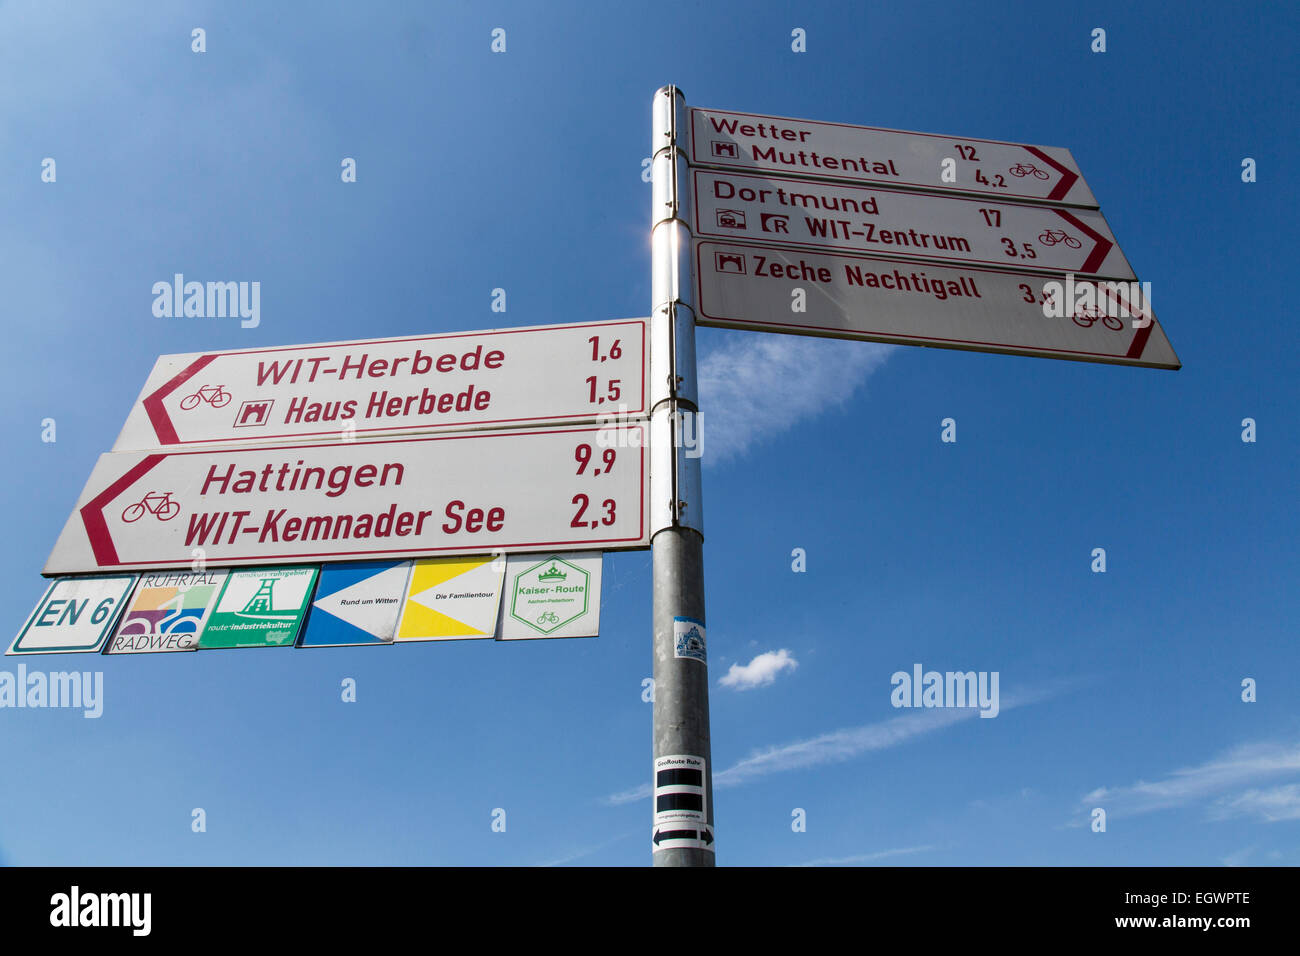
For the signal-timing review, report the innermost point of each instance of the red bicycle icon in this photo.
(1087, 315)
(1050, 237)
(160, 505)
(1022, 170)
(214, 395)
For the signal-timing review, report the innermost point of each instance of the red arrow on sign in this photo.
(92, 514)
(1068, 177)
(1101, 248)
(153, 404)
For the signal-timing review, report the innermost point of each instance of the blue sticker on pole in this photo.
(688, 639)
(357, 603)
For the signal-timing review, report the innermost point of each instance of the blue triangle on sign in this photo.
(357, 602)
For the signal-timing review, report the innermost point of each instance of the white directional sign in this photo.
(342, 390)
(866, 154)
(574, 488)
(755, 287)
(900, 223)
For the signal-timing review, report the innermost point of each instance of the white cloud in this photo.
(760, 384)
(759, 672)
(1240, 767)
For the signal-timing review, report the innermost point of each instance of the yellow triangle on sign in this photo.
(475, 597)
(420, 622)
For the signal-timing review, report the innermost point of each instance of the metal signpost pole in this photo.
(682, 787)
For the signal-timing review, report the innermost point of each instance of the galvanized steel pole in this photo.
(682, 784)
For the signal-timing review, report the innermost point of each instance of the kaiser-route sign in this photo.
(868, 154)
(541, 489)
(501, 378)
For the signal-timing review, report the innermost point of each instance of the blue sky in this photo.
(522, 171)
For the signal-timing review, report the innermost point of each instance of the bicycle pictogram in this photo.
(159, 505)
(1087, 315)
(214, 395)
(1022, 170)
(176, 619)
(548, 617)
(1050, 237)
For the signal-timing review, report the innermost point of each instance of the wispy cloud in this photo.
(1272, 805)
(641, 792)
(867, 857)
(841, 745)
(588, 850)
(1238, 858)
(1242, 766)
(762, 670)
(759, 385)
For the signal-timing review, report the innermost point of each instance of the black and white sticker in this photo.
(681, 815)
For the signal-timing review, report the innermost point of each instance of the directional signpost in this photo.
(335, 391)
(411, 467)
(574, 487)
